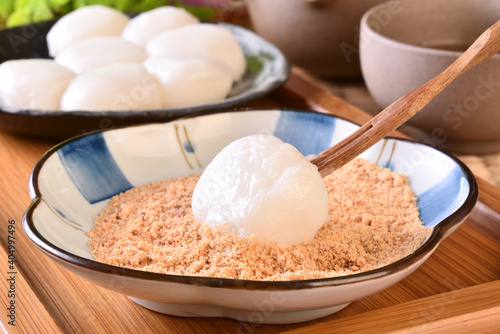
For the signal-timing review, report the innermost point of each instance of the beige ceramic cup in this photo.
(321, 36)
(404, 43)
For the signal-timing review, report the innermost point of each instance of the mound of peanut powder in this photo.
(374, 222)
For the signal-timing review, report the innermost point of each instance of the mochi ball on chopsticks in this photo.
(259, 186)
(83, 23)
(116, 87)
(190, 80)
(202, 39)
(99, 51)
(142, 28)
(33, 84)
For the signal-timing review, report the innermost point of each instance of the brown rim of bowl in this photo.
(416, 48)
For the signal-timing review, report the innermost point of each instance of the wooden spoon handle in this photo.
(487, 45)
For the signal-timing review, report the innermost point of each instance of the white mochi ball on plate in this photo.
(142, 28)
(259, 186)
(83, 23)
(33, 84)
(100, 51)
(117, 87)
(202, 39)
(190, 80)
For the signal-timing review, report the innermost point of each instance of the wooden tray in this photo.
(456, 289)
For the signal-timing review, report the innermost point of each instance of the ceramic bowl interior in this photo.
(267, 69)
(75, 180)
(406, 43)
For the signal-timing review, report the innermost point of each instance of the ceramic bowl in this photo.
(75, 180)
(267, 69)
(405, 43)
(321, 36)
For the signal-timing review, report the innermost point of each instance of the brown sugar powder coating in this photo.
(374, 222)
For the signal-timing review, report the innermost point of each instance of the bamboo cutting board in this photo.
(457, 289)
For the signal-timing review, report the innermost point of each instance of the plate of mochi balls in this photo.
(98, 68)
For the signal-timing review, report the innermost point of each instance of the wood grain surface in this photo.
(467, 310)
(454, 289)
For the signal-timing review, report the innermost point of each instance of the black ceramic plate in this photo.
(267, 69)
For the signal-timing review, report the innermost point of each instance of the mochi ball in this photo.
(260, 186)
(83, 23)
(202, 39)
(99, 51)
(142, 28)
(191, 80)
(117, 87)
(33, 84)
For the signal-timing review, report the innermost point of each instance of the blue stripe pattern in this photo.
(441, 200)
(310, 133)
(188, 147)
(92, 168)
(389, 164)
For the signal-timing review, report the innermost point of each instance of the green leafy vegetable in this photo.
(255, 62)
(145, 5)
(6, 8)
(203, 13)
(19, 12)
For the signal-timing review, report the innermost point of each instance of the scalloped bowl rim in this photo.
(439, 232)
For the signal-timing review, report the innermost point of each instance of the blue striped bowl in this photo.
(75, 180)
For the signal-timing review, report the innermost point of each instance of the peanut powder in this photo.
(374, 222)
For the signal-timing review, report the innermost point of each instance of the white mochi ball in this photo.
(100, 51)
(117, 87)
(33, 84)
(260, 186)
(142, 28)
(189, 81)
(202, 39)
(83, 23)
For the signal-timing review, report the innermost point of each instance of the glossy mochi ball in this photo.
(83, 23)
(142, 28)
(189, 81)
(117, 87)
(99, 51)
(259, 186)
(33, 84)
(202, 39)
